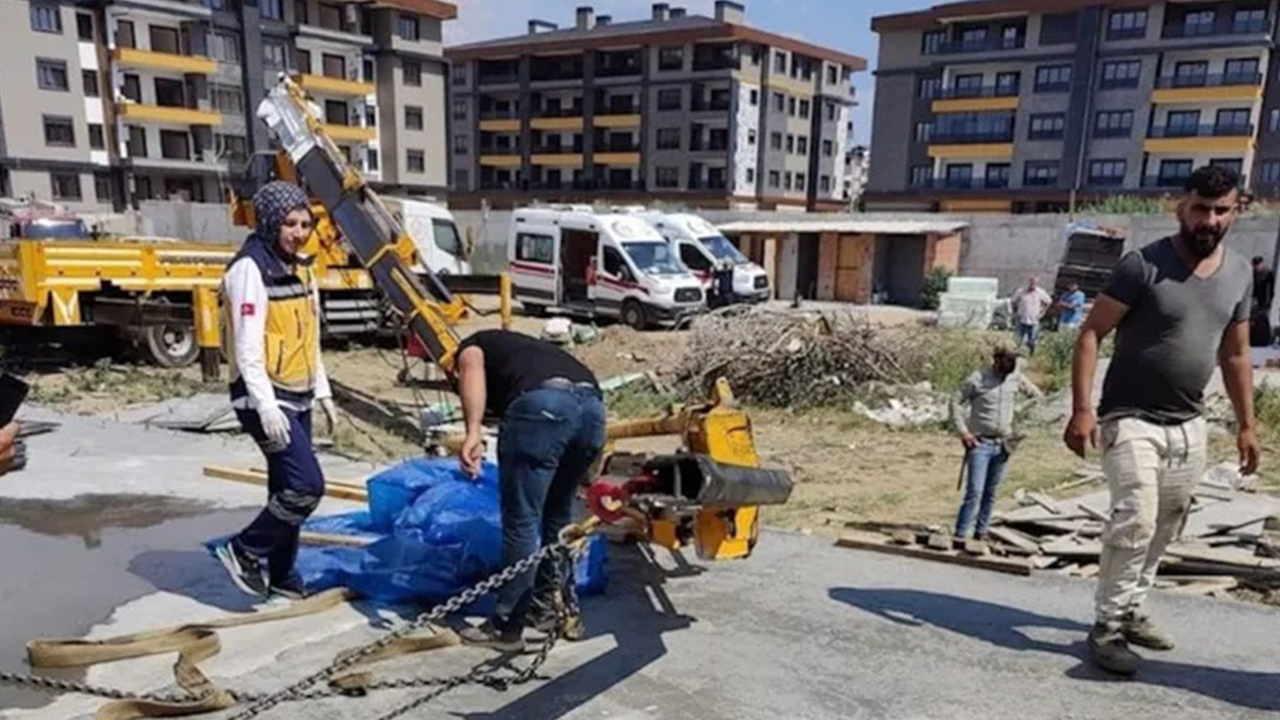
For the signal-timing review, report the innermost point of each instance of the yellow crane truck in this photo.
(160, 295)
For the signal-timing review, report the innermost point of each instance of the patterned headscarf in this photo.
(272, 204)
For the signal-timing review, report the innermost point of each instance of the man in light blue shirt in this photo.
(1072, 304)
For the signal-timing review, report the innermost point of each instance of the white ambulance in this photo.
(701, 247)
(576, 261)
(435, 235)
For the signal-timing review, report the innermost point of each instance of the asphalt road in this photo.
(800, 630)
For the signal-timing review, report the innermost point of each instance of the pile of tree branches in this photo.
(785, 358)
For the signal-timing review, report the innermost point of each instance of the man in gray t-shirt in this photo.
(1179, 306)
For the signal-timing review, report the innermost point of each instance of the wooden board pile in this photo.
(1230, 539)
(788, 358)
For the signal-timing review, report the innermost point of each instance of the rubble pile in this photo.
(787, 358)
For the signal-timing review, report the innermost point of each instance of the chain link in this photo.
(305, 690)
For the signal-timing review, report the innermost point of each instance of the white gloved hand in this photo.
(275, 424)
(330, 414)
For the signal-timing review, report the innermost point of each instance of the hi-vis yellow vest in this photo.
(292, 328)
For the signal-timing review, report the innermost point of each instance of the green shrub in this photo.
(935, 283)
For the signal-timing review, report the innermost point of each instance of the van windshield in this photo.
(722, 249)
(446, 237)
(49, 228)
(653, 258)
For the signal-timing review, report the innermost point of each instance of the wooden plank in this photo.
(252, 478)
(876, 544)
(353, 484)
(1100, 517)
(355, 541)
(1072, 549)
(1240, 558)
(828, 250)
(1009, 536)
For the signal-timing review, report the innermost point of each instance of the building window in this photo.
(170, 93)
(775, 178)
(334, 66)
(459, 109)
(1241, 71)
(932, 41)
(164, 39)
(824, 184)
(1197, 23)
(751, 176)
(787, 180)
(1053, 78)
(1127, 25)
(791, 143)
(227, 99)
(1058, 29)
(271, 9)
(412, 72)
(337, 112)
(412, 117)
(461, 145)
(751, 137)
(833, 75)
(1113, 124)
(142, 188)
(802, 145)
(102, 188)
(967, 86)
(755, 98)
(775, 140)
(791, 107)
(929, 88)
(224, 47)
(331, 16)
(1273, 121)
(132, 88)
(959, 176)
(921, 176)
(671, 58)
(828, 148)
(668, 138)
(51, 74)
(800, 182)
(1106, 172)
(97, 140)
(998, 176)
(1182, 123)
(1121, 74)
(1008, 83)
(300, 13)
(779, 102)
(1269, 172)
(136, 144)
(66, 186)
(1041, 173)
(924, 131)
(780, 63)
(1173, 172)
(1249, 20)
(408, 27)
(668, 177)
(670, 99)
(84, 26)
(831, 112)
(1049, 126)
(59, 131)
(233, 147)
(460, 74)
(416, 161)
(124, 34)
(46, 18)
(175, 145)
(1233, 121)
(89, 79)
(274, 54)
(804, 109)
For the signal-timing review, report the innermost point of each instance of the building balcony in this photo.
(349, 133)
(621, 70)
(493, 149)
(981, 99)
(1120, 132)
(1040, 181)
(501, 161)
(700, 145)
(504, 126)
(194, 64)
(705, 62)
(1205, 81)
(492, 114)
(556, 123)
(187, 164)
(553, 149)
(1223, 26)
(335, 34)
(138, 112)
(557, 112)
(616, 121)
(976, 137)
(616, 158)
(557, 158)
(617, 146)
(1234, 139)
(711, 105)
(984, 91)
(994, 44)
(498, 79)
(1205, 130)
(945, 151)
(334, 86)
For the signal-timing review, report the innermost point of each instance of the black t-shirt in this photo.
(516, 363)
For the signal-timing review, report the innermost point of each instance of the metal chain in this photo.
(304, 690)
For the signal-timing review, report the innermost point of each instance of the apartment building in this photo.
(702, 110)
(132, 100)
(996, 105)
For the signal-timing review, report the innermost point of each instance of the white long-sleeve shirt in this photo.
(246, 295)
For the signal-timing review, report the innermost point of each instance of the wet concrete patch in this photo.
(68, 564)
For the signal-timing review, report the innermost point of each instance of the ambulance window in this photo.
(535, 248)
(693, 258)
(613, 262)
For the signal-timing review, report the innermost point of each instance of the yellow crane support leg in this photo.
(208, 331)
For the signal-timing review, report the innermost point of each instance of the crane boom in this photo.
(370, 229)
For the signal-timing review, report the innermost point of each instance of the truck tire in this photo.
(170, 346)
(633, 314)
(533, 309)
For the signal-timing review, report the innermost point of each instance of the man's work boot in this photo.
(488, 635)
(1111, 651)
(1139, 630)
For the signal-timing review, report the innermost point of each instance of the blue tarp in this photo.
(437, 532)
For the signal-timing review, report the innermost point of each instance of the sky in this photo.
(840, 24)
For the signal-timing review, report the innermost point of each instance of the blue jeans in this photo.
(295, 485)
(1027, 334)
(547, 442)
(987, 462)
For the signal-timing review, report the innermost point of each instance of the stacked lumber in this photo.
(1230, 538)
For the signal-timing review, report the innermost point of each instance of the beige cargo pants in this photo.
(1151, 471)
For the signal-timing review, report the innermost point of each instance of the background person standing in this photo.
(1178, 306)
(1072, 308)
(1029, 305)
(991, 396)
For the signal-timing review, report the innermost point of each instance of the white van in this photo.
(573, 260)
(701, 247)
(434, 233)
